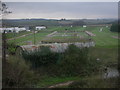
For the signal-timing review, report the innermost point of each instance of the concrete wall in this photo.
(58, 47)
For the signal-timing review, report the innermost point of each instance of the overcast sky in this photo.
(61, 0)
(58, 10)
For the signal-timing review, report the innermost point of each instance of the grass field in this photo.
(105, 38)
(64, 28)
(23, 40)
(106, 55)
(11, 35)
(102, 39)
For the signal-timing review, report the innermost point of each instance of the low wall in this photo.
(57, 47)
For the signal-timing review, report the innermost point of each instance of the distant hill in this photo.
(54, 22)
(99, 21)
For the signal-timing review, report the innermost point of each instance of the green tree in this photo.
(115, 28)
(75, 60)
(41, 57)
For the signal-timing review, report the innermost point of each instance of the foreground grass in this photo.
(48, 81)
(93, 81)
(106, 55)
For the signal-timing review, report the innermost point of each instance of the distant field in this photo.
(102, 39)
(11, 35)
(65, 28)
(24, 40)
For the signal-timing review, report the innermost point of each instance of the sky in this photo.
(58, 10)
(61, 0)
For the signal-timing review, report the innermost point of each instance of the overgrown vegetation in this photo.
(115, 28)
(74, 61)
(95, 82)
(41, 57)
(11, 48)
(77, 62)
(17, 74)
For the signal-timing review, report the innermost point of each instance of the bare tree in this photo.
(3, 11)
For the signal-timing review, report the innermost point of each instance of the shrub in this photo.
(40, 57)
(18, 74)
(11, 48)
(115, 28)
(76, 62)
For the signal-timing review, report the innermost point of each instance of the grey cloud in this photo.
(63, 9)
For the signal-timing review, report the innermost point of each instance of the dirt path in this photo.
(61, 84)
(51, 34)
(20, 36)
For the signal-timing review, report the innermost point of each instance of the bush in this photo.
(115, 28)
(18, 74)
(74, 61)
(40, 57)
(77, 62)
(11, 48)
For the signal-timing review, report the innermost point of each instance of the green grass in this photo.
(80, 33)
(23, 40)
(64, 28)
(67, 39)
(12, 35)
(104, 38)
(48, 81)
(95, 82)
(106, 55)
